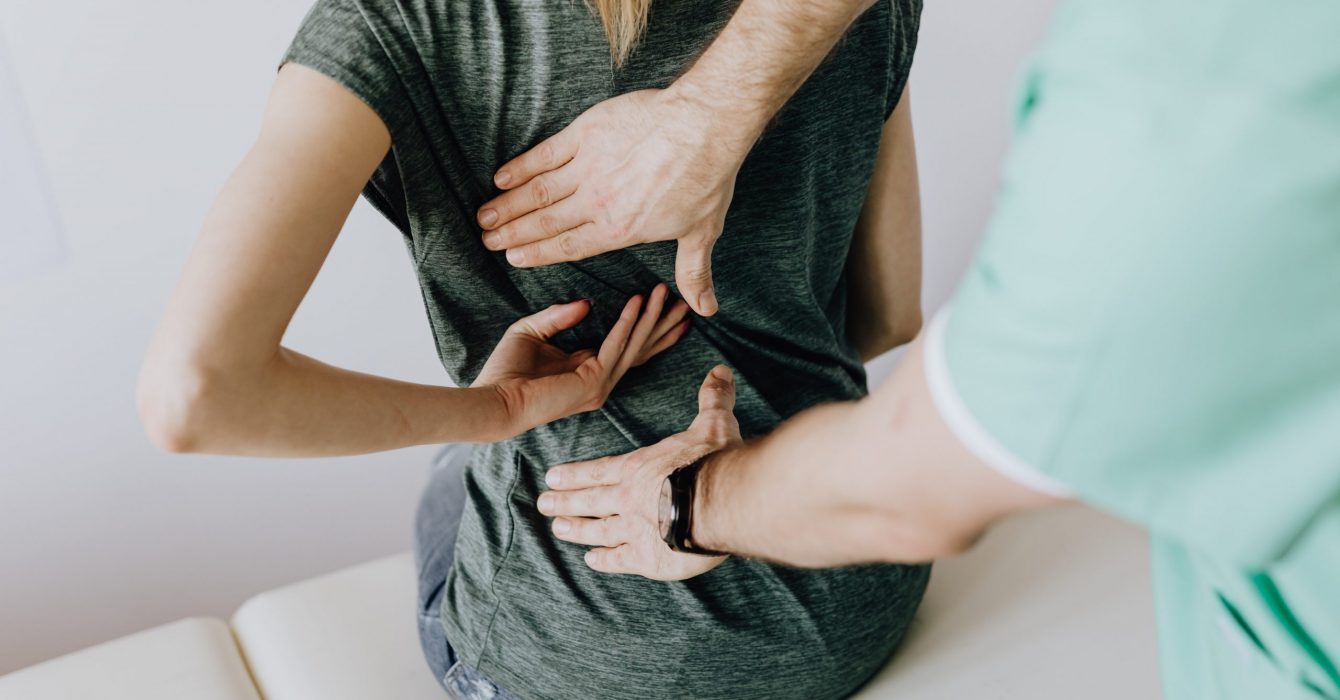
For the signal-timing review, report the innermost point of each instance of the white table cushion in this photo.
(350, 635)
(193, 658)
(1050, 606)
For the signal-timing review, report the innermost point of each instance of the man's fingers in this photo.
(553, 320)
(549, 154)
(537, 225)
(584, 475)
(576, 243)
(597, 502)
(595, 532)
(612, 560)
(693, 274)
(541, 192)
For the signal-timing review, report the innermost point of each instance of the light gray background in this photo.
(140, 109)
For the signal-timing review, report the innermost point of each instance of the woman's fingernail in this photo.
(554, 478)
(488, 217)
(502, 178)
(516, 257)
(492, 239)
(545, 502)
(562, 526)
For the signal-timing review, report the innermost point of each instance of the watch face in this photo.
(665, 509)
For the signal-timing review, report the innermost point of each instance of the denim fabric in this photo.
(435, 527)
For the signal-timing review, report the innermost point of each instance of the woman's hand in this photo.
(613, 503)
(538, 383)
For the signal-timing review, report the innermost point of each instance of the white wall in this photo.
(139, 109)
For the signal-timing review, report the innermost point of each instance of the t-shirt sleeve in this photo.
(1150, 323)
(346, 41)
(906, 25)
(359, 44)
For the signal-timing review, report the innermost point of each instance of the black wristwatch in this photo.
(676, 509)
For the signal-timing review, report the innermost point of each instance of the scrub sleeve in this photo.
(1152, 324)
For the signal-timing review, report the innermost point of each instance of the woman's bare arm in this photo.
(884, 264)
(217, 379)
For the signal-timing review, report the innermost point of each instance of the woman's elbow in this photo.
(894, 333)
(172, 397)
(905, 329)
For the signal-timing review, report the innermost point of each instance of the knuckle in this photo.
(548, 224)
(698, 274)
(567, 245)
(541, 193)
(545, 154)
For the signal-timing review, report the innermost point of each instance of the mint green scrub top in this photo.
(1152, 324)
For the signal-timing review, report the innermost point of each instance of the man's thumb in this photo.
(693, 274)
(718, 390)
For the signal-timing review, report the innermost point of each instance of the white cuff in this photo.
(965, 426)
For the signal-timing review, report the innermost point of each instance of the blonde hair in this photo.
(624, 22)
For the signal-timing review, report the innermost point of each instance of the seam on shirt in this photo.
(506, 557)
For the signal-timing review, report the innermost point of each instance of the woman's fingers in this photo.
(670, 319)
(663, 343)
(667, 332)
(642, 332)
(617, 340)
(549, 322)
(595, 532)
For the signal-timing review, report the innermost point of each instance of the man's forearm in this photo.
(805, 495)
(882, 479)
(762, 56)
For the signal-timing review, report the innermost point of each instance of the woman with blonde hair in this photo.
(415, 103)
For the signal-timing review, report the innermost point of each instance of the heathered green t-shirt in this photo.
(465, 85)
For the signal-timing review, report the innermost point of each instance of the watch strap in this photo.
(683, 488)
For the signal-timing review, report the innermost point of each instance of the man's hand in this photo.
(613, 503)
(641, 167)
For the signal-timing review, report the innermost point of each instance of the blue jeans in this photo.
(435, 528)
